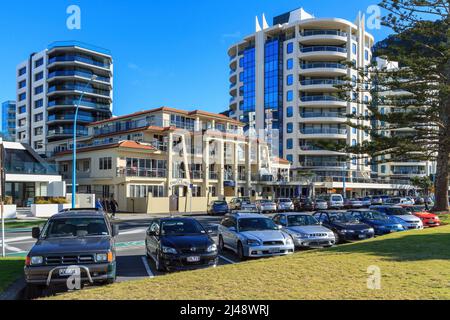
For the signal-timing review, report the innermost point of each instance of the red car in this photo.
(428, 219)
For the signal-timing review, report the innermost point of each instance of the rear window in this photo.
(336, 198)
(220, 203)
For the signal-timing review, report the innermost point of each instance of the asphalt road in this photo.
(132, 263)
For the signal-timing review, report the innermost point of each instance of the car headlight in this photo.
(212, 248)
(371, 230)
(36, 260)
(168, 250)
(101, 257)
(253, 242)
(289, 241)
(347, 231)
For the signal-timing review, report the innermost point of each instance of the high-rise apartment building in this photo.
(8, 131)
(283, 84)
(49, 86)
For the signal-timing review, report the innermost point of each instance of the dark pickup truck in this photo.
(74, 247)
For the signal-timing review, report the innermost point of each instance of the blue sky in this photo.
(166, 53)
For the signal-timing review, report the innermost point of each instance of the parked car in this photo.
(376, 200)
(410, 200)
(177, 244)
(335, 201)
(218, 207)
(428, 219)
(304, 204)
(399, 201)
(345, 226)
(353, 203)
(320, 204)
(266, 206)
(250, 207)
(253, 236)
(305, 230)
(366, 201)
(236, 203)
(384, 198)
(285, 204)
(71, 242)
(380, 222)
(400, 215)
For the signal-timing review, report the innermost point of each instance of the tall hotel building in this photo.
(283, 84)
(49, 86)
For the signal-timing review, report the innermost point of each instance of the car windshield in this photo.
(375, 215)
(284, 200)
(219, 203)
(396, 212)
(75, 227)
(181, 228)
(246, 200)
(415, 209)
(336, 198)
(256, 224)
(302, 220)
(343, 217)
(266, 201)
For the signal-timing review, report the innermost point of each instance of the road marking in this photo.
(130, 244)
(13, 249)
(9, 240)
(227, 260)
(147, 267)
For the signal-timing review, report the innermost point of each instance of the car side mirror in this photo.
(115, 230)
(35, 233)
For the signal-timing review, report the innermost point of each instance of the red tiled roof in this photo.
(168, 109)
(283, 161)
(122, 144)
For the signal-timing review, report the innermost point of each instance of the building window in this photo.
(22, 84)
(290, 95)
(290, 80)
(366, 55)
(22, 135)
(105, 163)
(38, 117)
(142, 191)
(354, 130)
(383, 169)
(39, 90)
(39, 76)
(290, 158)
(290, 127)
(39, 62)
(354, 48)
(22, 71)
(38, 103)
(290, 48)
(22, 122)
(22, 96)
(354, 143)
(38, 131)
(289, 112)
(38, 144)
(290, 64)
(289, 144)
(22, 109)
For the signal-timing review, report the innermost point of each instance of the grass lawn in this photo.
(445, 218)
(414, 265)
(15, 224)
(11, 269)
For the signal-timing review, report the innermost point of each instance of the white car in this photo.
(400, 201)
(399, 215)
(285, 204)
(321, 204)
(264, 206)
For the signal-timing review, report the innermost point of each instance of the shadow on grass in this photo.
(408, 247)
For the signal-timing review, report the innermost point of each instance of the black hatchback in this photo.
(177, 244)
(345, 226)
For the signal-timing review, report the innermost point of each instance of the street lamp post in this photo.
(74, 157)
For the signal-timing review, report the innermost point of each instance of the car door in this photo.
(232, 236)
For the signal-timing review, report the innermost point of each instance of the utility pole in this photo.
(2, 196)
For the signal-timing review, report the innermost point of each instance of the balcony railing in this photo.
(323, 131)
(142, 172)
(320, 98)
(322, 115)
(69, 73)
(326, 65)
(324, 33)
(340, 179)
(213, 175)
(65, 132)
(73, 58)
(311, 148)
(83, 103)
(72, 87)
(197, 175)
(323, 49)
(70, 117)
(322, 82)
(328, 164)
(34, 168)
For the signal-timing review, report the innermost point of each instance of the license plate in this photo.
(362, 236)
(275, 250)
(193, 259)
(67, 272)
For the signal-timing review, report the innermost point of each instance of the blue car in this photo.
(218, 208)
(381, 222)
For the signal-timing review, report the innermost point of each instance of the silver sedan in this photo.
(305, 230)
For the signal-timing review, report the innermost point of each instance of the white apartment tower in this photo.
(49, 87)
(283, 83)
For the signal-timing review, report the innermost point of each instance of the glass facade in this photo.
(249, 66)
(8, 131)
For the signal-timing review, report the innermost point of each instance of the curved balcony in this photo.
(323, 164)
(330, 69)
(77, 74)
(323, 117)
(70, 118)
(323, 53)
(322, 100)
(321, 85)
(323, 37)
(66, 133)
(78, 59)
(323, 133)
(71, 103)
(71, 88)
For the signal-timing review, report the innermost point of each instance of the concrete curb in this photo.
(15, 291)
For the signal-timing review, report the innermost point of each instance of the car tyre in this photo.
(33, 291)
(338, 239)
(240, 252)
(158, 266)
(221, 244)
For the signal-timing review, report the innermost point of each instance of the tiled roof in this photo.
(122, 144)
